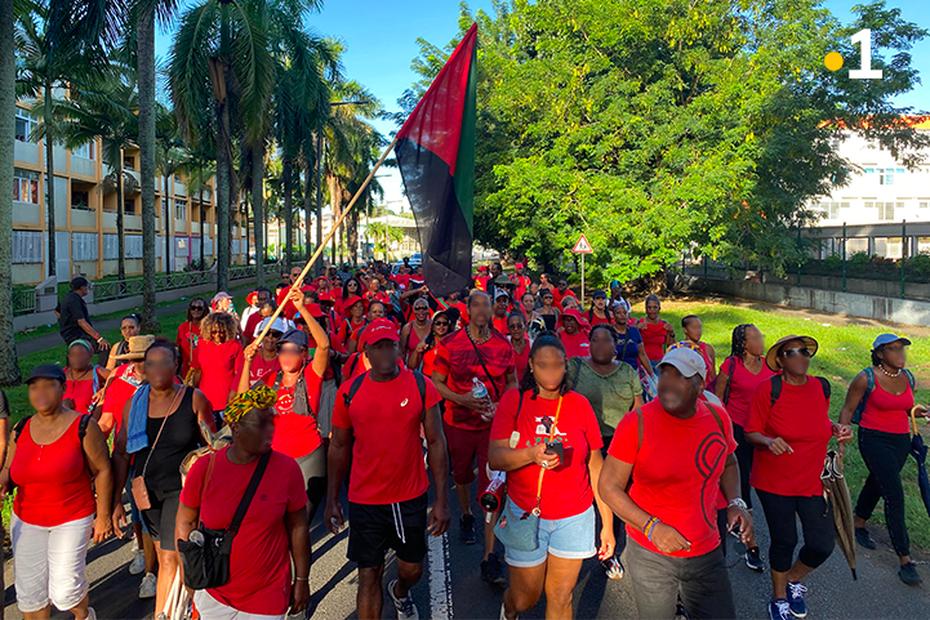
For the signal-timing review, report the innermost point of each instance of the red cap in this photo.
(326, 296)
(519, 266)
(575, 314)
(251, 298)
(315, 310)
(351, 301)
(482, 268)
(379, 329)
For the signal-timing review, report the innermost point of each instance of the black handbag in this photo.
(205, 555)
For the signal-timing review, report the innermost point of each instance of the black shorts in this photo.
(160, 519)
(375, 528)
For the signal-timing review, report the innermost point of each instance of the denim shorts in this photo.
(571, 538)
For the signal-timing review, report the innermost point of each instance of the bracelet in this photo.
(302, 579)
(650, 526)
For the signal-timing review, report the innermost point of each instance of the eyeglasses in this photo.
(805, 352)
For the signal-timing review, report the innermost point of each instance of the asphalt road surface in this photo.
(452, 587)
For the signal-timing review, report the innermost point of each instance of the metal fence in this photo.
(24, 301)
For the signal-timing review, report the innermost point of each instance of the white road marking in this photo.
(440, 582)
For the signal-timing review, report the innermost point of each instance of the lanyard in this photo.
(542, 470)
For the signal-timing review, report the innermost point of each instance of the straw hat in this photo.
(772, 355)
(137, 347)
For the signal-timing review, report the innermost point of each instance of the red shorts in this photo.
(465, 446)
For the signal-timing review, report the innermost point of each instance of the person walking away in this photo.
(423, 358)
(274, 529)
(534, 425)
(189, 332)
(388, 484)
(217, 360)
(56, 460)
(471, 358)
(83, 378)
(880, 400)
(657, 333)
(678, 452)
(613, 390)
(520, 341)
(129, 326)
(417, 330)
(598, 313)
(740, 375)
(74, 320)
(574, 334)
(789, 424)
(693, 330)
(161, 426)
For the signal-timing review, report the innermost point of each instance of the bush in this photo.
(833, 262)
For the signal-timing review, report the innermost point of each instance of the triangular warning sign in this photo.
(583, 247)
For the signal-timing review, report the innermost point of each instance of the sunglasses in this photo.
(200, 308)
(805, 352)
(441, 323)
(275, 334)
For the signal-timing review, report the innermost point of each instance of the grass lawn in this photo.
(844, 352)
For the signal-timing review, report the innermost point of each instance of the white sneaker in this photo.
(406, 610)
(137, 565)
(91, 614)
(504, 615)
(149, 586)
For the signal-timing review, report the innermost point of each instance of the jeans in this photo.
(885, 454)
(816, 521)
(744, 452)
(702, 583)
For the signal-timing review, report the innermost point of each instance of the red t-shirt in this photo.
(219, 364)
(481, 282)
(82, 392)
(348, 328)
(654, 336)
(576, 345)
(403, 281)
(500, 323)
(188, 337)
(522, 360)
(888, 412)
(379, 296)
(566, 490)
(121, 390)
(593, 319)
(458, 360)
(676, 473)
(296, 435)
(743, 385)
(260, 561)
(248, 335)
(558, 296)
(523, 285)
(801, 416)
(385, 472)
(260, 367)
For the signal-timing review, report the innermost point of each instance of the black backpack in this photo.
(357, 384)
(777, 383)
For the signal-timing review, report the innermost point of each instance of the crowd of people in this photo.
(613, 436)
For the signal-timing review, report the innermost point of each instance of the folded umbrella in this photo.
(837, 493)
(919, 452)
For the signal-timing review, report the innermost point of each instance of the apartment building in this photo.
(85, 214)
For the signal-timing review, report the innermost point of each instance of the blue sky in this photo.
(380, 39)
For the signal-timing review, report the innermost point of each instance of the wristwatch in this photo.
(738, 502)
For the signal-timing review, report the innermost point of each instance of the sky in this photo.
(380, 41)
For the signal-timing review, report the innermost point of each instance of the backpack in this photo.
(357, 384)
(870, 377)
(777, 383)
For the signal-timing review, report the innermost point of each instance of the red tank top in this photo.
(888, 412)
(413, 339)
(53, 479)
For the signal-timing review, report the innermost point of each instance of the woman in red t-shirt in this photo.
(789, 424)
(189, 332)
(274, 530)
(598, 312)
(657, 334)
(354, 317)
(520, 341)
(84, 378)
(56, 460)
(217, 360)
(424, 355)
(417, 330)
(542, 431)
(574, 333)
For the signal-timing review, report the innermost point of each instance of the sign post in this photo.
(582, 247)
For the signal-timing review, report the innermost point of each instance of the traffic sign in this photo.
(583, 247)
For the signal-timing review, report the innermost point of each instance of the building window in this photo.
(129, 205)
(132, 246)
(180, 210)
(923, 204)
(85, 150)
(80, 200)
(886, 176)
(27, 247)
(129, 162)
(886, 210)
(84, 246)
(24, 125)
(26, 186)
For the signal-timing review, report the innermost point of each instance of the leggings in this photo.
(816, 523)
(744, 452)
(313, 468)
(885, 454)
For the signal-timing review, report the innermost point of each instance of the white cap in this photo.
(277, 326)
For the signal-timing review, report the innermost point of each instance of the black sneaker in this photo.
(612, 568)
(754, 559)
(864, 538)
(909, 575)
(492, 570)
(467, 529)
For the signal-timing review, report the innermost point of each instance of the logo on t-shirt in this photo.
(544, 427)
(404, 402)
(709, 455)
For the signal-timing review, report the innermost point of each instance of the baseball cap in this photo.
(221, 295)
(46, 371)
(518, 266)
(501, 292)
(884, 339)
(295, 336)
(482, 268)
(380, 329)
(278, 326)
(599, 294)
(315, 310)
(687, 361)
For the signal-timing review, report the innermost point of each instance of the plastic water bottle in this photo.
(479, 391)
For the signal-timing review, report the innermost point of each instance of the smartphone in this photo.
(555, 447)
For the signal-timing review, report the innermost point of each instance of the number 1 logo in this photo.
(865, 72)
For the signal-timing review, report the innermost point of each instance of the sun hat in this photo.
(574, 314)
(775, 350)
(687, 361)
(137, 347)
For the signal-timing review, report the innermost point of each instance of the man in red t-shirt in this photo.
(678, 452)
(475, 352)
(521, 281)
(388, 485)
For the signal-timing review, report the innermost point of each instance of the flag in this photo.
(436, 155)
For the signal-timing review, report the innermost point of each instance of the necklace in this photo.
(81, 377)
(888, 374)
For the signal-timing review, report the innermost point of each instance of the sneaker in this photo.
(492, 570)
(909, 575)
(754, 559)
(137, 565)
(406, 610)
(149, 586)
(91, 614)
(796, 604)
(467, 529)
(613, 568)
(503, 616)
(864, 538)
(778, 609)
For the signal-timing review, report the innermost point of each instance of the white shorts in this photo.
(49, 563)
(211, 609)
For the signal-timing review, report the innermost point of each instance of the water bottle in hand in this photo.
(480, 392)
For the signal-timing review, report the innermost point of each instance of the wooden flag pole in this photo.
(330, 235)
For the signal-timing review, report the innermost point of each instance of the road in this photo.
(452, 586)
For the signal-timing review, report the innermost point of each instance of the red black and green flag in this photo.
(436, 155)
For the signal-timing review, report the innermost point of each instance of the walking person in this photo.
(548, 419)
(274, 529)
(740, 375)
(161, 425)
(789, 424)
(73, 318)
(574, 334)
(423, 357)
(217, 360)
(189, 332)
(129, 326)
(520, 341)
(83, 378)
(880, 400)
(548, 312)
(694, 330)
(388, 484)
(474, 357)
(56, 460)
(657, 333)
(678, 452)
(417, 330)
(598, 313)
(630, 348)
